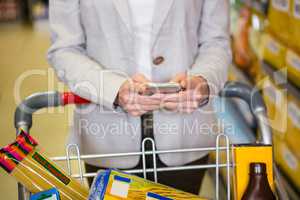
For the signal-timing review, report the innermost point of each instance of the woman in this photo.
(106, 50)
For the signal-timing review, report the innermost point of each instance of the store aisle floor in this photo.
(23, 60)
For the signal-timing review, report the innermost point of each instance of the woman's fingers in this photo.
(137, 105)
(136, 113)
(155, 99)
(186, 106)
(140, 78)
(179, 77)
(134, 98)
(130, 97)
(172, 106)
(138, 110)
(134, 109)
(188, 95)
(140, 107)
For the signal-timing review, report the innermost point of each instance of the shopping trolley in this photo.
(35, 102)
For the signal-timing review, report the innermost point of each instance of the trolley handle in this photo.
(257, 106)
(37, 101)
(24, 112)
(70, 98)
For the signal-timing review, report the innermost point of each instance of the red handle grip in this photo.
(70, 98)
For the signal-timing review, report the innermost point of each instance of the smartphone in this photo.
(167, 88)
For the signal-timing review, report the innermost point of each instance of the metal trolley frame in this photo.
(35, 102)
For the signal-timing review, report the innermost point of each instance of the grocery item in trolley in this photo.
(23, 160)
(258, 186)
(52, 194)
(113, 185)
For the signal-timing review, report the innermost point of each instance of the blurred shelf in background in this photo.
(23, 11)
(10, 10)
(266, 50)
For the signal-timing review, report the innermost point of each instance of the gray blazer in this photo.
(92, 52)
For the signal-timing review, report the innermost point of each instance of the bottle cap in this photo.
(258, 168)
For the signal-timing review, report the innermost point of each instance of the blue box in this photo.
(52, 194)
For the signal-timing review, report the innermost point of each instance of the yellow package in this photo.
(293, 131)
(24, 161)
(276, 102)
(293, 67)
(273, 52)
(295, 24)
(287, 161)
(279, 19)
(115, 185)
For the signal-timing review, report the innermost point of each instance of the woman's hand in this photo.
(132, 100)
(194, 94)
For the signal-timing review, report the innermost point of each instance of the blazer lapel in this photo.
(162, 9)
(122, 7)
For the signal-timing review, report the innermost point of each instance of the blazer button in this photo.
(158, 60)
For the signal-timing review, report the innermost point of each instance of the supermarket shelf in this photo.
(293, 191)
(258, 6)
(281, 78)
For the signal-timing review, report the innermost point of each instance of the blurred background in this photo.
(266, 54)
(24, 39)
